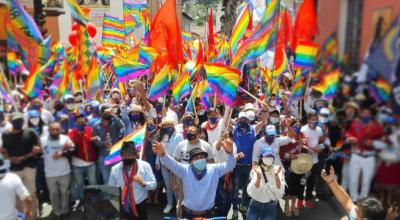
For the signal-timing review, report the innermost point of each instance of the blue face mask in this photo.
(214, 120)
(366, 120)
(159, 107)
(269, 139)
(35, 107)
(296, 129)
(168, 130)
(134, 117)
(80, 127)
(64, 125)
(188, 122)
(200, 165)
(243, 125)
(151, 127)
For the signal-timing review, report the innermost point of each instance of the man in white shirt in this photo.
(136, 178)
(214, 126)
(314, 138)
(56, 148)
(11, 186)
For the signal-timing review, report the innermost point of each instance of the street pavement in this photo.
(326, 210)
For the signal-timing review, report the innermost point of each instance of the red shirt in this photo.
(84, 147)
(363, 132)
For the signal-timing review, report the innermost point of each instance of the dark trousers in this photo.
(294, 188)
(141, 209)
(240, 181)
(186, 214)
(315, 171)
(223, 199)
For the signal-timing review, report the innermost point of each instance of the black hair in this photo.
(128, 147)
(198, 129)
(78, 116)
(309, 115)
(371, 208)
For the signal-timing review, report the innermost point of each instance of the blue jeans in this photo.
(261, 211)
(240, 181)
(223, 199)
(82, 173)
(167, 176)
(103, 170)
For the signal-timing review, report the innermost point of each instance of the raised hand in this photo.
(228, 145)
(331, 176)
(158, 148)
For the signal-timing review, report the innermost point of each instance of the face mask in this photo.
(267, 161)
(17, 124)
(187, 122)
(128, 162)
(106, 96)
(190, 136)
(245, 97)
(322, 119)
(34, 121)
(58, 107)
(70, 107)
(272, 103)
(296, 129)
(243, 125)
(80, 127)
(115, 110)
(54, 136)
(35, 107)
(107, 117)
(269, 139)
(131, 91)
(159, 107)
(214, 120)
(274, 120)
(366, 120)
(64, 126)
(202, 112)
(200, 165)
(115, 96)
(151, 127)
(168, 130)
(135, 118)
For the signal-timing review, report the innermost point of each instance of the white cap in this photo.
(251, 115)
(270, 130)
(324, 111)
(243, 115)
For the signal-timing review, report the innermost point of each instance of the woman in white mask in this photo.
(266, 187)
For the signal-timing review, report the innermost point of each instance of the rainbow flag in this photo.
(146, 17)
(282, 68)
(186, 36)
(380, 90)
(15, 65)
(126, 70)
(93, 82)
(328, 84)
(33, 84)
(262, 39)
(305, 55)
(113, 31)
(136, 136)
(147, 54)
(77, 12)
(297, 89)
(328, 55)
(160, 84)
(61, 79)
(133, 14)
(4, 88)
(224, 81)
(239, 29)
(45, 50)
(222, 48)
(181, 87)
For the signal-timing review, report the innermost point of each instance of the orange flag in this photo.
(211, 43)
(165, 32)
(306, 25)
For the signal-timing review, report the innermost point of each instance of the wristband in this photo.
(330, 182)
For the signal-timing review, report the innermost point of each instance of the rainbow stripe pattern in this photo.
(147, 54)
(160, 84)
(77, 12)
(4, 89)
(186, 36)
(380, 90)
(133, 14)
(93, 83)
(328, 84)
(181, 87)
(264, 36)
(113, 31)
(126, 70)
(305, 55)
(297, 90)
(136, 136)
(15, 65)
(224, 81)
(239, 29)
(282, 68)
(33, 84)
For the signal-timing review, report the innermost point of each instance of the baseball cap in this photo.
(16, 116)
(243, 115)
(270, 130)
(266, 152)
(197, 151)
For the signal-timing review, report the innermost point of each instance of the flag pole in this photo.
(251, 95)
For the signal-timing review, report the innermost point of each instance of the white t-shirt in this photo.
(184, 147)
(214, 135)
(278, 142)
(55, 168)
(11, 186)
(312, 136)
(220, 155)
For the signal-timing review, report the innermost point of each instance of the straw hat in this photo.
(136, 108)
(167, 120)
(302, 164)
(249, 107)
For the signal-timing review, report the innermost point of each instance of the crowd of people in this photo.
(247, 158)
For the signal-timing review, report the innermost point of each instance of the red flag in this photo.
(211, 43)
(284, 35)
(306, 25)
(165, 32)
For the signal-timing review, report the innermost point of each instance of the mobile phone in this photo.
(328, 164)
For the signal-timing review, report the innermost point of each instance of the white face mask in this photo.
(115, 96)
(274, 120)
(70, 107)
(272, 102)
(322, 119)
(268, 161)
(34, 121)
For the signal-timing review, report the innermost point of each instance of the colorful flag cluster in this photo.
(136, 136)
(113, 31)
(161, 83)
(147, 54)
(224, 81)
(15, 65)
(239, 29)
(135, 14)
(380, 90)
(33, 84)
(77, 12)
(328, 84)
(93, 82)
(126, 70)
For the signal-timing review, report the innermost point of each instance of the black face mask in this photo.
(17, 124)
(54, 137)
(129, 162)
(190, 136)
(107, 117)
